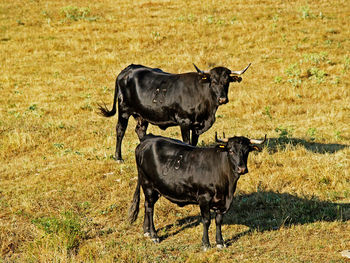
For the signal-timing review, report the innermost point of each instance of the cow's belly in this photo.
(160, 117)
(161, 123)
(175, 187)
(180, 201)
(164, 117)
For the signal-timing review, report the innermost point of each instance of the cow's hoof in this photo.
(155, 240)
(346, 253)
(206, 248)
(119, 160)
(221, 246)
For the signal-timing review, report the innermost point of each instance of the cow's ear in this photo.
(255, 148)
(235, 79)
(205, 77)
(254, 144)
(221, 147)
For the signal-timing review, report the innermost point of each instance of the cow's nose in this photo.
(242, 170)
(223, 100)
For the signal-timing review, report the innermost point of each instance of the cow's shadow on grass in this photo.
(275, 144)
(268, 211)
(281, 143)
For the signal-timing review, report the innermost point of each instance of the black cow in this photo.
(185, 174)
(150, 95)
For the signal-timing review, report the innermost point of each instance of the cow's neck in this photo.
(209, 111)
(232, 182)
(233, 173)
(214, 98)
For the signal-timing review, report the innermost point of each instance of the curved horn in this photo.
(198, 70)
(240, 72)
(220, 140)
(252, 141)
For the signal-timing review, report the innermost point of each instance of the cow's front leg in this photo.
(148, 223)
(218, 221)
(186, 134)
(194, 138)
(205, 212)
(141, 127)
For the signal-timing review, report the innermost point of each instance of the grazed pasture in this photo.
(64, 199)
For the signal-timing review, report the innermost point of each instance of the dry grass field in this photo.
(64, 199)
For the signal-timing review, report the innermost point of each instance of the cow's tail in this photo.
(134, 208)
(103, 108)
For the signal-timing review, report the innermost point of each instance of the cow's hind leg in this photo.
(141, 127)
(151, 198)
(120, 129)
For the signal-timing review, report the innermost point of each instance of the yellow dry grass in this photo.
(63, 199)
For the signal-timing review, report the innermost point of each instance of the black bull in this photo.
(185, 174)
(150, 95)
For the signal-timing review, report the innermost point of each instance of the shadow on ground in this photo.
(275, 144)
(268, 211)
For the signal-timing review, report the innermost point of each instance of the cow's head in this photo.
(219, 79)
(238, 149)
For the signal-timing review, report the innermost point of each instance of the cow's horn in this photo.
(253, 141)
(220, 140)
(198, 70)
(240, 72)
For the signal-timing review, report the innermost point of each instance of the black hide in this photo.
(185, 174)
(189, 100)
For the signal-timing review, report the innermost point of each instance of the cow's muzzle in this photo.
(242, 170)
(223, 101)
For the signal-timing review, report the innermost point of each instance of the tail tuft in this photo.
(134, 208)
(104, 110)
